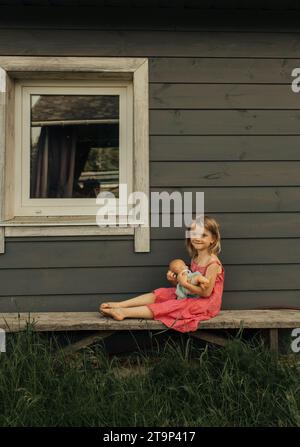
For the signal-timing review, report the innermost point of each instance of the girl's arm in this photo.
(199, 290)
(211, 275)
(182, 279)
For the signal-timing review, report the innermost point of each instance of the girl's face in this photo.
(201, 238)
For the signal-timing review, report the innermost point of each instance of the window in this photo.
(73, 140)
(71, 127)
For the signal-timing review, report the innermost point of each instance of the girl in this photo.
(203, 245)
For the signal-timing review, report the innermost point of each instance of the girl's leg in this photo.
(147, 298)
(119, 313)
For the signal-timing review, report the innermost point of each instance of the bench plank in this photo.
(77, 321)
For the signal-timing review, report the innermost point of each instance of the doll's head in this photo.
(177, 265)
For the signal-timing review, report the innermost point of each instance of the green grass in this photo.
(177, 384)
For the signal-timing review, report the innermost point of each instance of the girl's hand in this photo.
(181, 277)
(203, 287)
(202, 281)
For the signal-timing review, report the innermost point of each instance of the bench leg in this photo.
(87, 341)
(209, 337)
(273, 338)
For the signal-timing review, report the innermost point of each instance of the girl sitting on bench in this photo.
(203, 244)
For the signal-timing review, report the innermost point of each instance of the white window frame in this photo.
(74, 69)
(24, 206)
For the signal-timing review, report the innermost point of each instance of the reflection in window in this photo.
(74, 146)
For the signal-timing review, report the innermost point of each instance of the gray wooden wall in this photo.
(223, 120)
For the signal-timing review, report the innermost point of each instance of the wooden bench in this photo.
(270, 320)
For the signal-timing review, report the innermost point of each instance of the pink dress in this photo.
(184, 315)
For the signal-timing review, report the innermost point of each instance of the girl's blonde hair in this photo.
(210, 224)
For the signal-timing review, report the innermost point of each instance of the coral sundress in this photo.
(184, 315)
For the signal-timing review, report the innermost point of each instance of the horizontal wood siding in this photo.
(225, 148)
(52, 254)
(140, 43)
(87, 302)
(180, 15)
(223, 120)
(72, 280)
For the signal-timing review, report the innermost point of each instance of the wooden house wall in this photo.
(223, 120)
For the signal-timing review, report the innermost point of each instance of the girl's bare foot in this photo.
(115, 313)
(107, 306)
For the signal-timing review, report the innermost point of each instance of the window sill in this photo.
(62, 226)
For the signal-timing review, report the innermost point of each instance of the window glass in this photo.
(74, 149)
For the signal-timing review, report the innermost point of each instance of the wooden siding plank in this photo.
(247, 225)
(261, 299)
(179, 5)
(216, 70)
(86, 253)
(147, 16)
(242, 199)
(94, 280)
(222, 70)
(225, 173)
(142, 43)
(222, 96)
(224, 148)
(57, 303)
(243, 225)
(87, 302)
(224, 122)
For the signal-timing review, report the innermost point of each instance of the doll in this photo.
(178, 266)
